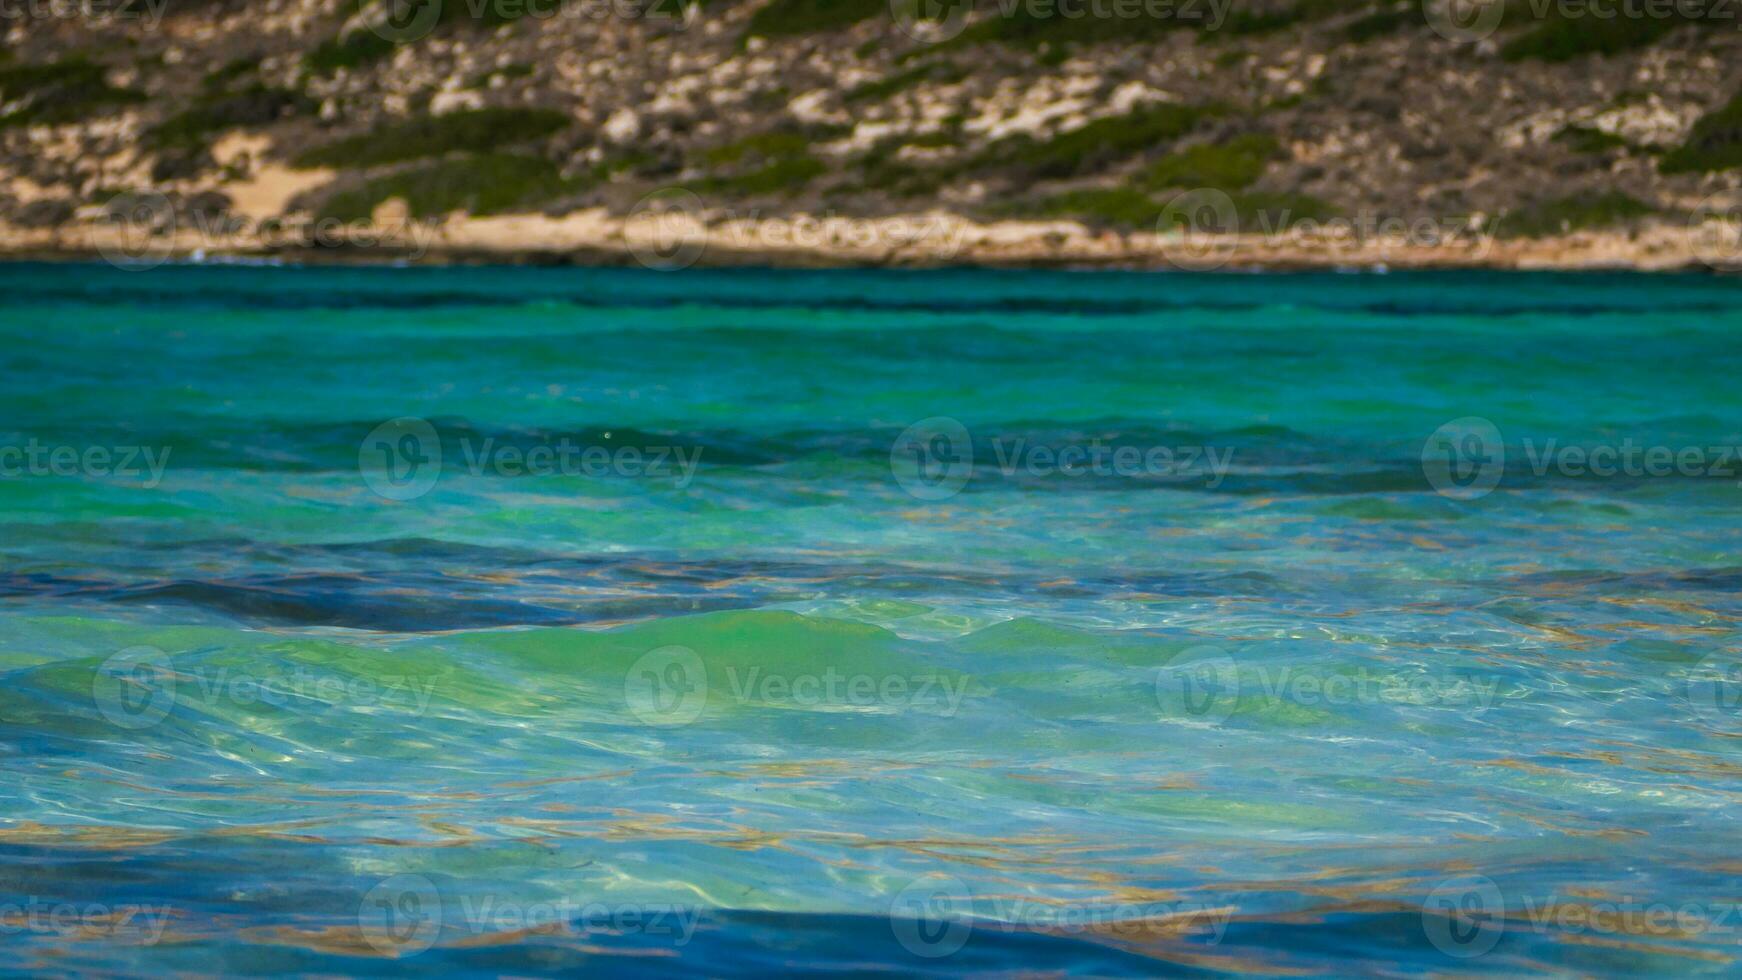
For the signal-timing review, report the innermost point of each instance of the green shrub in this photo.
(362, 46)
(428, 136)
(220, 78)
(519, 69)
(1573, 213)
(783, 18)
(935, 73)
(783, 176)
(1229, 166)
(1386, 20)
(351, 51)
(256, 105)
(899, 177)
(882, 170)
(1025, 28)
(489, 183)
(59, 92)
(1248, 22)
(1588, 139)
(1715, 143)
(777, 161)
(762, 146)
(1260, 211)
(1562, 38)
(1120, 207)
(1095, 144)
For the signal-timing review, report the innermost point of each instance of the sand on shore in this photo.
(680, 237)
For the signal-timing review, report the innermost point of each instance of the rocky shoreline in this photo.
(670, 241)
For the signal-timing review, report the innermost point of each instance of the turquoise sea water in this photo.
(657, 637)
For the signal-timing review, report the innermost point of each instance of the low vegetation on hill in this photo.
(1291, 109)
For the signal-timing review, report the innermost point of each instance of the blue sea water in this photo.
(523, 621)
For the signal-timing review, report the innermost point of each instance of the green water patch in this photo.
(1381, 509)
(1026, 640)
(776, 641)
(1660, 651)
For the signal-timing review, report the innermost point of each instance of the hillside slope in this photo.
(1081, 130)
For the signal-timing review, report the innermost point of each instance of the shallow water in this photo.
(796, 686)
